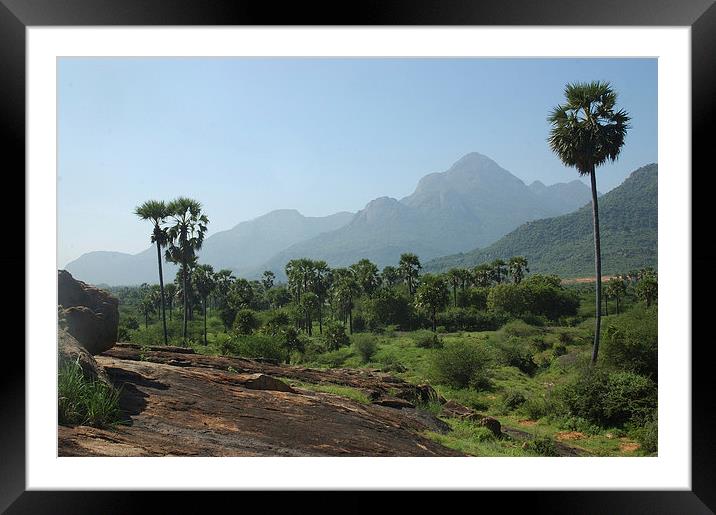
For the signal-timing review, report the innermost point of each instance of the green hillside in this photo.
(564, 244)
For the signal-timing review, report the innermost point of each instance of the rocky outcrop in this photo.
(71, 352)
(456, 410)
(222, 406)
(89, 314)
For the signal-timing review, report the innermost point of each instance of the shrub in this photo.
(292, 341)
(520, 329)
(512, 400)
(335, 358)
(336, 337)
(276, 322)
(572, 423)
(508, 298)
(610, 399)
(366, 345)
(648, 434)
(359, 323)
(544, 446)
(565, 338)
(257, 346)
(631, 341)
(81, 401)
(462, 364)
(427, 340)
(470, 319)
(515, 352)
(441, 329)
(538, 406)
(559, 350)
(246, 321)
(540, 344)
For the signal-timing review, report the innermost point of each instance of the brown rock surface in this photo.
(200, 408)
(70, 351)
(89, 314)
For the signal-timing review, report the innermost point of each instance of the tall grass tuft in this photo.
(85, 402)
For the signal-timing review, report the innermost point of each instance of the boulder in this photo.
(70, 351)
(264, 382)
(89, 314)
(492, 424)
(421, 394)
(393, 402)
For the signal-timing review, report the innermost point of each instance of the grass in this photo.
(84, 402)
(344, 391)
(469, 438)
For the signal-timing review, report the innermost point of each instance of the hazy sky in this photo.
(246, 136)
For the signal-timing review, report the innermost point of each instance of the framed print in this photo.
(376, 239)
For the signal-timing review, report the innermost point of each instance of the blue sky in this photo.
(246, 136)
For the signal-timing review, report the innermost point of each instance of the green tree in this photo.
(366, 273)
(390, 276)
(203, 278)
(309, 306)
(409, 267)
(170, 292)
(586, 132)
(482, 275)
(432, 295)
(321, 282)
(454, 276)
(267, 279)
(156, 212)
(498, 270)
(647, 289)
(185, 237)
(146, 307)
(517, 267)
(345, 289)
(616, 289)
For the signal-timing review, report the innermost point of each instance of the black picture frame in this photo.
(700, 15)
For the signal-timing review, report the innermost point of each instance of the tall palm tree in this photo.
(518, 267)
(586, 132)
(454, 277)
(156, 212)
(409, 267)
(203, 279)
(185, 238)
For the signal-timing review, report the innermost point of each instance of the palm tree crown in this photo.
(586, 130)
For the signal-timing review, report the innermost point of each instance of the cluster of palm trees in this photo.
(644, 283)
(178, 226)
(313, 284)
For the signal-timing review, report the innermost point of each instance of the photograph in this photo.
(357, 257)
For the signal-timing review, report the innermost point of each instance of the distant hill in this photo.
(564, 245)
(240, 249)
(473, 203)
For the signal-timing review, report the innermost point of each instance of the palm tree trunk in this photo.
(161, 290)
(454, 294)
(320, 316)
(185, 304)
(597, 267)
(205, 342)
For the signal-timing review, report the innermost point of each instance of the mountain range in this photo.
(472, 204)
(564, 245)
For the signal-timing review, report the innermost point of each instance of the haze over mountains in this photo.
(472, 204)
(564, 245)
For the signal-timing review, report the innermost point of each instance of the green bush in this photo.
(366, 345)
(246, 321)
(648, 434)
(539, 343)
(81, 401)
(334, 358)
(335, 335)
(565, 338)
(512, 400)
(572, 423)
(276, 322)
(292, 341)
(538, 406)
(520, 329)
(359, 323)
(515, 352)
(544, 446)
(559, 350)
(257, 346)
(470, 319)
(462, 364)
(631, 341)
(441, 329)
(610, 399)
(427, 339)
